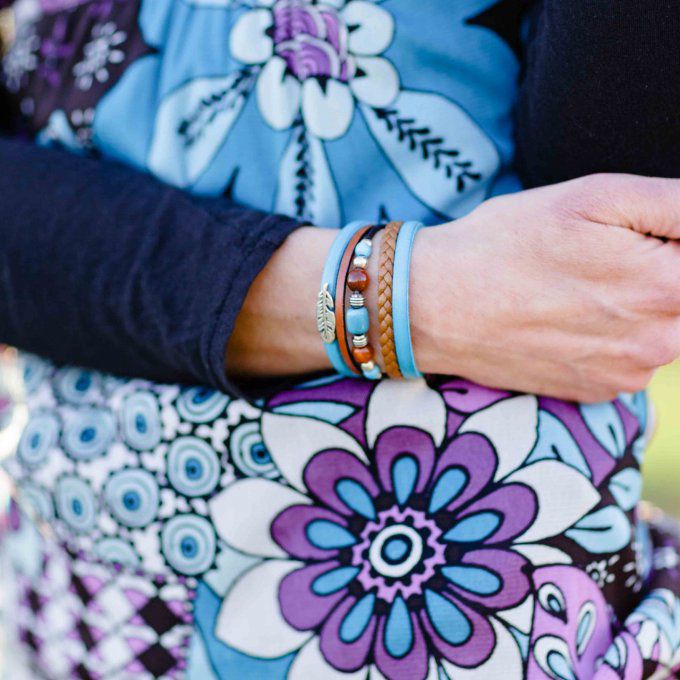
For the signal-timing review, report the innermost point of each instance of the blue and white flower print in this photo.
(297, 105)
(317, 59)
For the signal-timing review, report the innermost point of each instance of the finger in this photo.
(648, 205)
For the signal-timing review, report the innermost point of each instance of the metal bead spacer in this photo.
(364, 248)
(360, 261)
(357, 300)
(368, 366)
(360, 341)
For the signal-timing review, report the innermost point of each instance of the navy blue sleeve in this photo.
(600, 92)
(102, 266)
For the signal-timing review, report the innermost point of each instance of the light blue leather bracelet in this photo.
(400, 304)
(325, 310)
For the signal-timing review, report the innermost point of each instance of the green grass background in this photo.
(662, 465)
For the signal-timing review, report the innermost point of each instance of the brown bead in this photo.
(362, 355)
(357, 279)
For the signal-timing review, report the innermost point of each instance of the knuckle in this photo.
(592, 197)
(600, 394)
(662, 347)
(662, 297)
(597, 187)
(662, 352)
(635, 382)
(632, 353)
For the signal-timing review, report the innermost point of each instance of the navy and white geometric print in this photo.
(133, 497)
(88, 433)
(124, 469)
(193, 467)
(40, 435)
(201, 404)
(141, 421)
(296, 106)
(249, 453)
(189, 544)
(76, 503)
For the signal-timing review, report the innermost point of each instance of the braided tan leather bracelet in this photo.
(386, 267)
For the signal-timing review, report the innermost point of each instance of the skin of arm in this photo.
(566, 291)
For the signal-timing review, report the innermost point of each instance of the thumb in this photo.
(648, 205)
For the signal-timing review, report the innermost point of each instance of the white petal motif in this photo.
(380, 86)
(278, 94)
(187, 134)
(564, 497)
(248, 41)
(327, 112)
(541, 555)
(433, 670)
(243, 514)
(293, 441)
(375, 27)
(407, 403)
(521, 616)
(310, 663)
(322, 205)
(250, 618)
(511, 426)
(505, 660)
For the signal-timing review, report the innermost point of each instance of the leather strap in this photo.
(385, 272)
(341, 300)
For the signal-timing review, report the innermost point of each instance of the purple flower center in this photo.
(312, 39)
(398, 553)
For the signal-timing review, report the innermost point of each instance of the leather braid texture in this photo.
(387, 348)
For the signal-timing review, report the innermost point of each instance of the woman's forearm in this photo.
(105, 267)
(553, 291)
(275, 331)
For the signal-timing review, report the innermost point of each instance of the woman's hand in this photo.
(554, 291)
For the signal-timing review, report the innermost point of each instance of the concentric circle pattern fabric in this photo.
(424, 530)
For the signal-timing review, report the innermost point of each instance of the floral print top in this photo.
(192, 90)
(340, 529)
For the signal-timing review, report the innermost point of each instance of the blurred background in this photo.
(662, 466)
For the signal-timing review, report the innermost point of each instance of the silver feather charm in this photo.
(325, 315)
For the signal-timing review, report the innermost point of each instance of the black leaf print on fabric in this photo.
(304, 173)
(208, 108)
(431, 148)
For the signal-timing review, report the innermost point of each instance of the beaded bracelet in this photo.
(357, 318)
(342, 296)
(325, 306)
(400, 302)
(335, 322)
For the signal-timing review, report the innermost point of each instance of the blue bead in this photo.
(356, 320)
(373, 374)
(364, 248)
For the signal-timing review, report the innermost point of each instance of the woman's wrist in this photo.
(423, 292)
(275, 333)
(435, 261)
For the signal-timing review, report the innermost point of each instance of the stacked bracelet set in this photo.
(342, 316)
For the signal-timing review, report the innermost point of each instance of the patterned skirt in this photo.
(432, 530)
